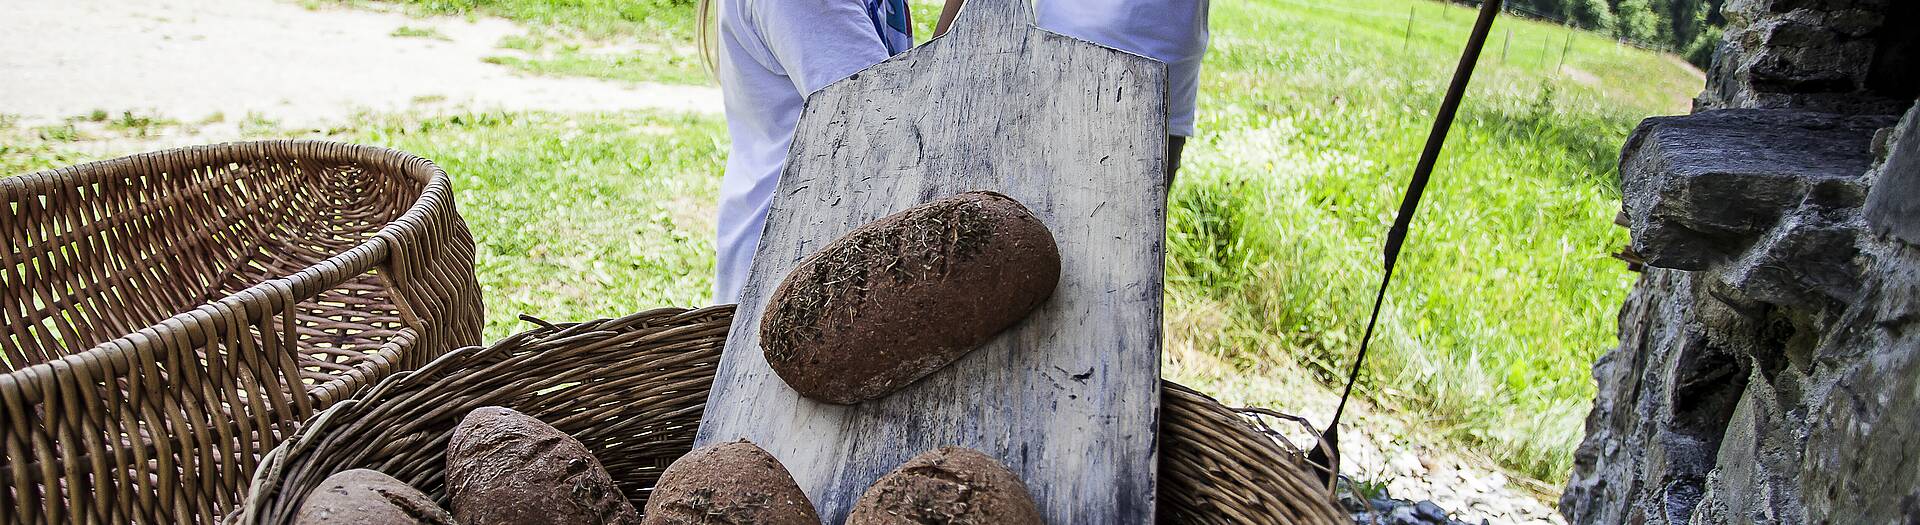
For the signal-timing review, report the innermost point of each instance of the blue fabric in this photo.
(890, 19)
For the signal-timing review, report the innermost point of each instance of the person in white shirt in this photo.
(1171, 31)
(771, 55)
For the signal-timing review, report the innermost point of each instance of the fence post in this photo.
(1504, 44)
(1567, 47)
(1543, 50)
(1408, 40)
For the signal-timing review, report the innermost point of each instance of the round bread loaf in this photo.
(504, 467)
(728, 483)
(950, 485)
(367, 497)
(898, 298)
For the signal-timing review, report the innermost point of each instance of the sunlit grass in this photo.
(627, 40)
(576, 217)
(662, 63)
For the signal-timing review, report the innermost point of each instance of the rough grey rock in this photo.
(1893, 207)
(1406, 516)
(1769, 360)
(1430, 511)
(1707, 186)
(1386, 510)
(1839, 56)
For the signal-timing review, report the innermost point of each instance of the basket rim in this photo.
(254, 302)
(269, 495)
(91, 171)
(270, 472)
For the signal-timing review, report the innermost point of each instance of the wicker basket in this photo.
(632, 390)
(172, 316)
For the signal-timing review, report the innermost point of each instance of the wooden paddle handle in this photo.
(993, 20)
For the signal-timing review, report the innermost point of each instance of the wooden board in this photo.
(1069, 398)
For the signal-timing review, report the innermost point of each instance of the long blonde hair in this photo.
(703, 22)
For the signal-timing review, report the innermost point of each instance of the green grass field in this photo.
(625, 40)
(1312, 114)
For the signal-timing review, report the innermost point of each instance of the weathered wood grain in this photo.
(1069, 398)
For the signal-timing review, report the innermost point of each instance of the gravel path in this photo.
(1381, 447)
(187, 59)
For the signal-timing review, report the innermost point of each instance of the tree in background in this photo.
(1697, 26)
(1638, 21)
(1689, 19)
(1590, 14)
(1690, 28)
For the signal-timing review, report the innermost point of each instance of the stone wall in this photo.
(1769, 360)
(1769, 367)
(1842, 56)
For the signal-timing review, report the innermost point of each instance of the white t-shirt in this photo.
(772, 54)
(1171, 31)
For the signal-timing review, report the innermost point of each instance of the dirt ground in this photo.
(189, 59)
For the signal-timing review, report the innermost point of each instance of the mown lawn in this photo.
(1311, 116)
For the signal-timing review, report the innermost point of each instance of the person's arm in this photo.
(946, 17)
(817, 42)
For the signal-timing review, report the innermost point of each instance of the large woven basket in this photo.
(172, 316)
(632, 390)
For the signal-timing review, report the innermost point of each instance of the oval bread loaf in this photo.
(898, 298)
(504, 467)
(734, 482)
(368, 497)
(949, 485)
